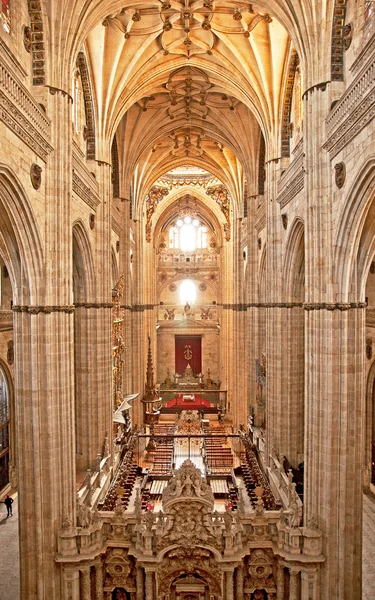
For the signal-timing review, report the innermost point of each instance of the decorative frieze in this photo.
(261, 220)
(93, 304)
(35, 310)
(353, 112)
(21, 113)
(338, 34)
(116, 224)
(292, 181)
(84, 184)
(37, 41)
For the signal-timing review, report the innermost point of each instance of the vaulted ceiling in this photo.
(189, 82)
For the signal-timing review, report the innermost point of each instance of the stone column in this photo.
(99, 582)
(229, 585)
(334, 359)
(140, 583)
(86, 583)
(102, 375)
(280, 582)
(238, 586)
(309, 584)
(149, 585)
(293, 584)
(275, 314)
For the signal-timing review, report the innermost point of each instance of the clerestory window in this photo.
(188, 234)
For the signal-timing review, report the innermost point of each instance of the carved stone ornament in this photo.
(92, 221)
(119, 569)
(36, 176)
(369, 348)
(348, 36)
(10, 353)
(27, 38)
(284, 219)
(187, 483)
(340, 174)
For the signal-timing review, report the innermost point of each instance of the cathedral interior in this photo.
(187, 289)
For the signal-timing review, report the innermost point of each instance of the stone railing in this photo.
(353, 111)
(282, 484)
(208, 313)
(20, 112)
(203, 257)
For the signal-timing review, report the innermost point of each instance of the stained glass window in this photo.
(5, 15)
(369, 8)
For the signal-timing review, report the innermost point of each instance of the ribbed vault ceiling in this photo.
(189, 82)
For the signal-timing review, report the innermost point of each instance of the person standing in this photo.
(8, 503)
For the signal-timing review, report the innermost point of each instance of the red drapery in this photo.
(188, 351)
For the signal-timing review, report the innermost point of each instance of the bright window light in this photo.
(179, 222)
(187, 238)
(195, 222)
(187, 219)
(188, 291)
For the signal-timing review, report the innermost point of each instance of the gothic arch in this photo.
(89, 105)
(83, 264)
(115, 268)
(351, 265)
(369, 434)
(12, 440)
(294, 263)
(20, 242)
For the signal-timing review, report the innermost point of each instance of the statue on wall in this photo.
(187, 311)
(169, 314)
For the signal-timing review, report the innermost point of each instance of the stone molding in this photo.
(37, 41)
(22, 114)
(337, 40)
(12, 64)
(93, 304)
(342, 306)
(260, 223)
(35, 310)
(287, 102)
(292, 180)
(364, 56)
(353, 112)
(89, 105)
(116, 225)
(84, 185)
(84, 191)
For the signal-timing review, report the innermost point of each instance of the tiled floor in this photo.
(9, 577)
(9, 556)
(368, 568)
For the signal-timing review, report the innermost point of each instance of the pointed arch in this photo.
(354, 245)
(20, 240)
(294, 263)
(83, 264)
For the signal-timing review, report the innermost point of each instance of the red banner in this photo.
(188, 351)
